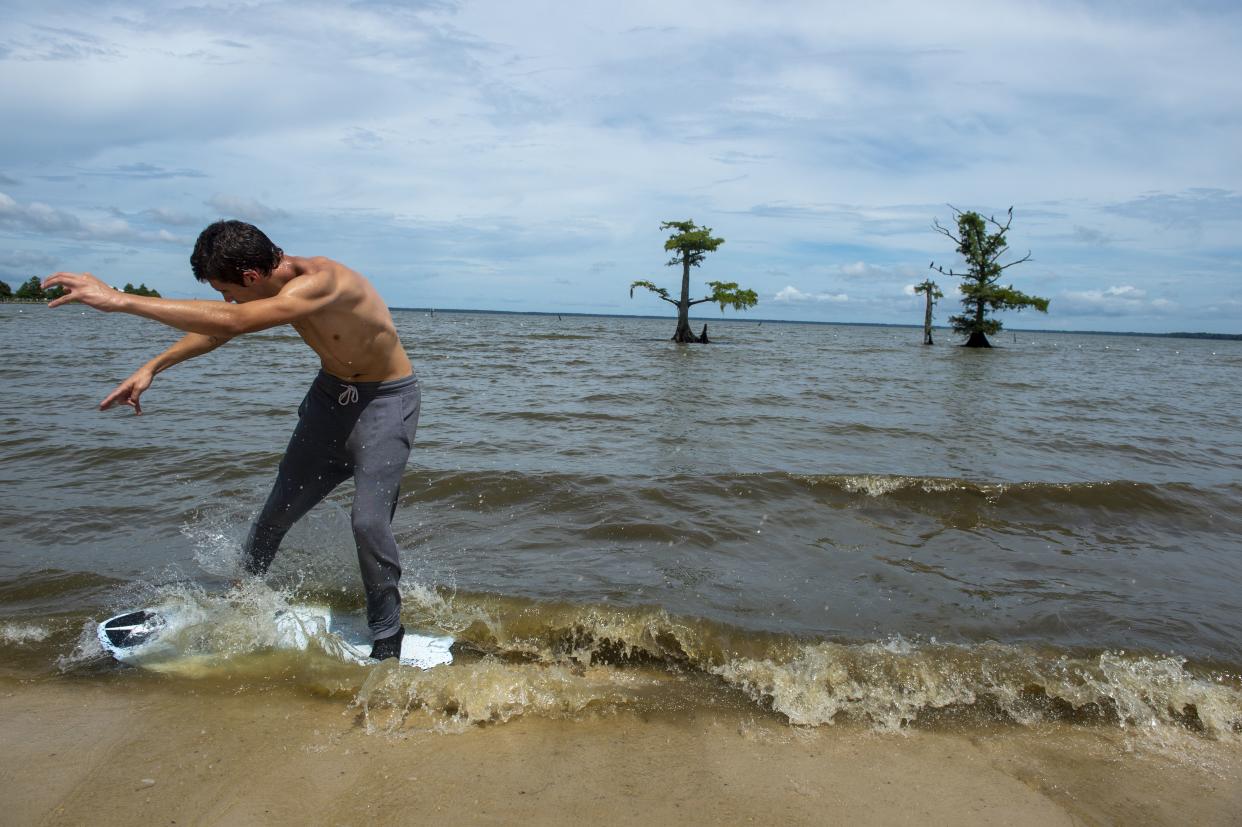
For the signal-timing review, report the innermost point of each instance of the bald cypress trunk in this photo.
(684, 334)
(977, 339)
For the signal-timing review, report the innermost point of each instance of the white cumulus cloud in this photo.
(247, 209)
(792, 295)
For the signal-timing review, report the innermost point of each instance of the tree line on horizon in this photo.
(980, 245)
(981, 242)
(32, 290)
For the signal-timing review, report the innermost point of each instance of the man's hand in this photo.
(84, 288)
(128, 391)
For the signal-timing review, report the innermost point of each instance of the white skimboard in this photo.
(149, 636)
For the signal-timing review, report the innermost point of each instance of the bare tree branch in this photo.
(1004, 228)
(945, 232)
(939, 269)
(1026, 257)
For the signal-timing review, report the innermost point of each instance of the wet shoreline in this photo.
(92, 751)
(522, 658)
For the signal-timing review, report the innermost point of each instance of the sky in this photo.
(522, 155)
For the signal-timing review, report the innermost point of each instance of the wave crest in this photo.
(897, 683)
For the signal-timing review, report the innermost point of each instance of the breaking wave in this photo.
(557, 660)
(521, 657)
(23, 633)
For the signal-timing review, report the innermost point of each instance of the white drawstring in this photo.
(348, 396)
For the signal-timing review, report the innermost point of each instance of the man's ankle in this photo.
(388, 647)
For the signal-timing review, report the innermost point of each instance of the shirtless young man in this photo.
(358, 418)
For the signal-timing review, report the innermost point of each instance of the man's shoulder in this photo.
(319, 273)
(327, 269)
(317, 263)
(321, 278)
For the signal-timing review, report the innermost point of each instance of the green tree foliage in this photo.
(140, 290)
(930, 289)
(690, 244)
(31, 289)
(981, 294)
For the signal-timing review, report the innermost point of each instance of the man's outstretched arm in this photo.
(210, 318)
(187, 347)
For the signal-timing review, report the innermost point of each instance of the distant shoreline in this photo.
(1233, 337)
(740, 320)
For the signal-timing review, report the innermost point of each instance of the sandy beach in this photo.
(84, 751)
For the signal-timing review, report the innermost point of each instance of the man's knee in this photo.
(371, 526)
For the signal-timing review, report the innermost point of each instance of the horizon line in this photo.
(739, 320)
(1178, 334)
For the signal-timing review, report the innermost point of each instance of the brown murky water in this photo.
(831, 522)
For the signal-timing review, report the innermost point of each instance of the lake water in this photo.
(830, 522)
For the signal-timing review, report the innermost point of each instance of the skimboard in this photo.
(148, 636)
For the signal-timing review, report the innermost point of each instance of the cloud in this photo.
(143, 170)
(247, 209)
(175, 218)
(359, 138)
(792, 295)
(38, 217)
(25, 263)
(878, 220)
(736, 157)
(858, 268)
(504, 150)
(1229, 310)
(1195, 207)
(1089, 235)
(872, 272)
(1123, 300)
(801, 212)
(51, 43)
(46, 220)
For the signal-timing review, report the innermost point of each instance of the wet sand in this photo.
(82, 751)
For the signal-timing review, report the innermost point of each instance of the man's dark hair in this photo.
(226, 249)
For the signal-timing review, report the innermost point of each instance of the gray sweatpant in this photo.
(363, 430)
